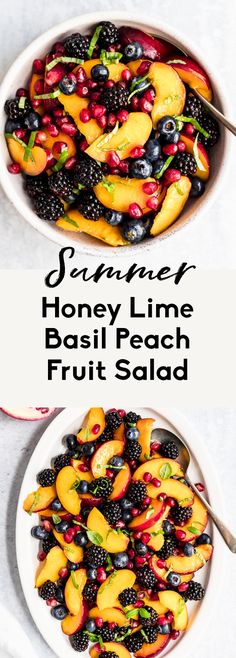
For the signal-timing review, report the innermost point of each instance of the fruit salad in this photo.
(121, 538)
(109, 136)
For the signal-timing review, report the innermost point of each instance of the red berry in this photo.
(189, 129)
(132, 463)
(85, 115)
(134, 102)
(181, 146)
(53, 130)
(200, 486)
(102, 121)
(162, 497)
(46, 119)
(138, 604)
(111, 411)
(137, 534)
(124, 167)
(172, 176)
(126, 75)
(70, 163)
(40, 137)
(36, 103)
(170, 502)
(180, 534)
(63, 573)
(161, 587)
(130, 564)
(82, 90)
(101, 575)
(145, 105)
(150, 188)
(99, 622)
(20, 133)
(161, 620)
(156, 483)
(147, 477)
(143, 68)
(83, 468)
(112, 625)
(109, 473)
(50, 159)
(96, 428)
(161, 564)
(14, 168)
(113, 159)
(134, 511)
(170, 149)
(134, 623)
(21, 92)
(38, 66)
(62, 120)
(147, 556)
(131, 553)
(145, 538)
(147, 500)
(69, 129)
(155, 446)
(98, 111)
(121, 412)
(108, 84)
(174, 635)
(39, 86)
(41, 556)
(122, 116)
(141, 595)
(120, 524)
(52, 603)
(68, 537)
(169, 617)
(91, 84)
(80, 74)
(78, 518)
(83, 144)
(58, 147)
(137, 152)
(58, 112)
(58, 48)
(183, 587)
(111, 120)
(150, 94)
(135, 211)
(153, 203)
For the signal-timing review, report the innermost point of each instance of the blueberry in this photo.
(88, 449)
(139, 85)
(90, 626)
(163, 629)
(157, 166)
(71, 441)
(92, 573)
(134, 230)
(117, 462)
(81, 539)
(172, 139)
(100, 73)
(188, 549)
(126, 504)
(56, 505)
(167, 527)
(38, 532)
(198, 187)
(120, 560)
(204, 539)
(132, 434)
(133, 51)
(174, 579)
(67, 85)
(73, 566)
(83, 487)
(153, 149)
(166, 126)
(140, 168)
(140, 548)
(11, 126)
(126, 516)
(62, 527)
(59, 612)
(113, 217)
(59, 596)
(32, 121)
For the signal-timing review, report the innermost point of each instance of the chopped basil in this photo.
(66, 60)
(52, 94)
(94, 41)
(176, 61)
(108, 186)
(21, 103)
(34, 503)
(62, 159)
(194, 122)
(179, 189)
(193, 530)
(70, 221)
(110, 58)
(165, 166)
(28, 150)
(74, 581)
(134, 86)
(149, 512)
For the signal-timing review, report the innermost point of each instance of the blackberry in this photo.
(113, 420)
(60, 461)
(193, 107)
(149, 621)
(108, 634)
(128, 596)
(76, 45)
(89, 206)
(108, 654)
(46, 478)
(146, 577)
(181, 514)
(13, 111)
(61, 183)
(137, 491)
(87, 172)
(133, 450)
(109, 34)
(48, 543)
(212, 127)
(185, 163)
(101, 487)
(112, 512)
(169, 449)
(195, 592)
(151, 632)
(168, 548)
(49, 207)
(107, 435)
(48, 590)
(114, 97)
(96, 556)
(90, 592)
(79, 641)
(36, 185)
(134, 642)
(131, 417)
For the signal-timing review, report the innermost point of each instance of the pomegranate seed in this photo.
(109, 473)
(180, 535)
(95, 96)
(63, 573)
(21, 92)
(46, 119)
(138, 604)
(172, 176)
(147, 500)
(120, 524)
(126, 75)
(134, 511)
(82, 90)
(20, 133)
(153, 203)
(96, 428)
(123, 84)
(69, 535)
(169, 617)
(50, 159)
(131, 553)
(147, 477)
(58, 48)
(170, 502)
(91, 84)
(83, 468)
(101, 575)
(150, 188)
(41, 556)
(130, 564)
(137, 152)
(189, 129)
(181, 146)
(122, 116)
(47, 525)
(155, 596)
(121, 412)
(38, 66)
(143, 68)
(113, 159)
(81, 75)
(40, 137)
(70, 163)
(85, 115)
(156, 483)
(133, 463)
(200, 486)
(62, 120)
(99, 622)
(53, 130)
(147, 556)
(135, 210)
(52, 603)
(145, 105)
(155, 446)
(58, 147)
(145, 538)
(108, 84)
(170, 149)
(137, 534)
(176, 551)
(141, 595)
(183, 587)
(83, 144)
(97, 647)
(162, 497)
(111, 120)
(150, 95)
(162, 620)
(161, 587)
(39, 86)
(161, 564)
(14, 168)
(134, 102)
(112, 625)
(98, 111)
(134, 623)
(174, 635)
(69, 129)
(78, 517)
(36, 103)
(149, 592)
(124, 167)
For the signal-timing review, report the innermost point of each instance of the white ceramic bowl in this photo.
(18, 75)
(200, 469)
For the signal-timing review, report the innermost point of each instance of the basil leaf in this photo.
(70, 221)
(56, 519)
(144, 613)
(194, 122)
(165, 166)
(193, 530)
(94, 537)
(34, 503)
(53, 94)
(131, 614)
(61, 160)
(178, 188)
(110, 58)
(74, 581)
(66, 60)
(165, 471)
(94, 41)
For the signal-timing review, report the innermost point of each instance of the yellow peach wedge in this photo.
(94, 418)
(170, 91)
(112, 541)
(73, 105)
(36, 161)
(50, 568)
(66, 491)
(73, 590)
(118, 193)
(173, 204)
(135, 130)
(40, 499)
(75, 222)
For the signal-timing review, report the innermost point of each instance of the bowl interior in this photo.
(18, 75)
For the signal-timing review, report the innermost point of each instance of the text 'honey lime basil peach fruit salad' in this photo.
(122, 536)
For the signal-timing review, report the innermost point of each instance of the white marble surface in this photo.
(210, 240)
(17, 442)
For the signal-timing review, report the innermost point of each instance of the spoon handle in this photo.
(216, 113)
(229, 539)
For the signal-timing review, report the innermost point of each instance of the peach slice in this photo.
(90, 500)
(48, 513)
(197, 523)
(135, 64)
(119, 649)
(119, 433)
(170, 91)
(111, 540)
(135, 130)
(113, 585)
(73, 105)
(72, 552)
(144, 425)
(102, 456)
(115, 70)
(73, 590)
(112, 615)
(94, 417)
(173, 204)
(153, 649)
(101, 230)
(36, 162)
(188, 565)
(73, 623)
(193, 75)
(119, 193)
(158, 469)
(40, 499)
(76, 463)
(147, 518)
(174, 489)
(121, 483)
(32, 92)
(161, 573)
(67, 494)
(176, 604)
(49, 569)
(202, 154)
(61, 137)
